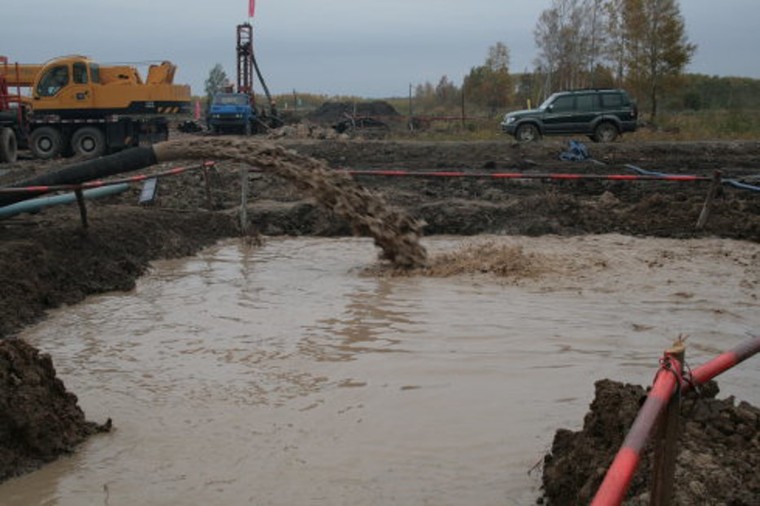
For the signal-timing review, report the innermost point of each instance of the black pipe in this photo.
(88, 170)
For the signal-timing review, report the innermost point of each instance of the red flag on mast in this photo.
(251, 7)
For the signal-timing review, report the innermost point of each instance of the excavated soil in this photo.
(48, 260)
(717, 460)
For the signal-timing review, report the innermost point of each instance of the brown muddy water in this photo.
(285, 375)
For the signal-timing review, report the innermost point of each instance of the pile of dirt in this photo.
(39, 419)
(330, 113)
(305, 130)
(718, 451)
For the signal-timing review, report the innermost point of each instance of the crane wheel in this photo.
(8, 145)
(88, 142)
(45, 143)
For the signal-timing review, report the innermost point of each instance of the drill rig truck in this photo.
(233, 110)
(77, 106)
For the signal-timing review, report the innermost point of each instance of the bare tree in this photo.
(569, 36)
(657, 48)
(216, 80)
(498, 58)
(490, 85)
(597, 36)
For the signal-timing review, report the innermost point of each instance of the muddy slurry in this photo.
(394, 232)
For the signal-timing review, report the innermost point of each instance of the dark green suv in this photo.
(601, 114)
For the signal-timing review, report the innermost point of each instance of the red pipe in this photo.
(519, 175)
(725, 361)
(619, 475)
(98, 183)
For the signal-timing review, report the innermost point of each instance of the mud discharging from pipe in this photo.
(508, 262)
(395, 233)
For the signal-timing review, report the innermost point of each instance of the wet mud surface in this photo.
(47, 260)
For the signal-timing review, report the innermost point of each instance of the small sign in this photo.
(149, 191)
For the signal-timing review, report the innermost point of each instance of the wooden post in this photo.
(463, 110)
(244, 201)
(82, 207)
(411, 112)
(666, 440)
(207, 183)
(707, 206)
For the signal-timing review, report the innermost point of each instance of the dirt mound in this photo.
(718, 456)
(305, 130)
(39, 419)
(333, 112)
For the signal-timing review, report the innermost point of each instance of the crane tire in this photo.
(45, 143)
(8, 145)
(88, 142)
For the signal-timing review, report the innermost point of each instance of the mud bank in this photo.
(717, 460)
(39, 418)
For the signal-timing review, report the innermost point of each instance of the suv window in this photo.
(586, 103)
(612, 100)
(563, 104)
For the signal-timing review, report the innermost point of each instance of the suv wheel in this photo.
(527, 133)
(605, 132)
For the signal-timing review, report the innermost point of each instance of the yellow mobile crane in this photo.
(80, 107)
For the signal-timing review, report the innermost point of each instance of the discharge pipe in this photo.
(118, 163)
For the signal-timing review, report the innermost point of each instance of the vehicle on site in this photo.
(601, 114)
(13, 115)
(232, 112)
(77, 106)
(233, 109)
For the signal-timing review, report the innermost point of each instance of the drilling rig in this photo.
(235, 110)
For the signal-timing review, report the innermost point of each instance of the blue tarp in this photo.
(577, 152)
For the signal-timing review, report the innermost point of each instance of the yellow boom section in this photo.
(20, 74)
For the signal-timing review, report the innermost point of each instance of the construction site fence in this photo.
(100, 183)
(639, 175)
(671, 378)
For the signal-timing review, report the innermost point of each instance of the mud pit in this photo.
(65, 265)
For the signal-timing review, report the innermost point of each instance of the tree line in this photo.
(640, 45)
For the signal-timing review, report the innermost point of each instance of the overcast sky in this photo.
(369, 48)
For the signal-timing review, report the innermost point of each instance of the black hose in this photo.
(123, 161)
